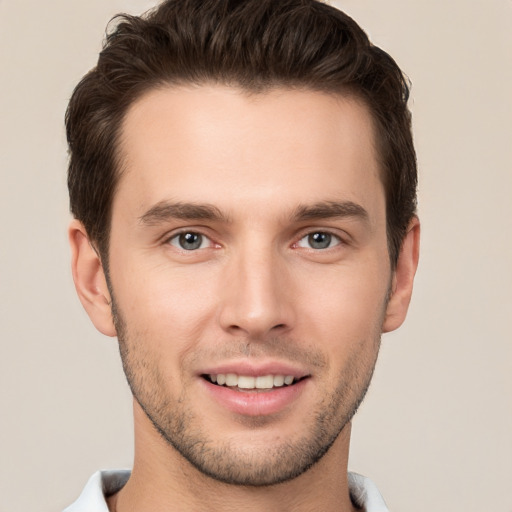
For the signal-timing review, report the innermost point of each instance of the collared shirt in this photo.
(363, 492)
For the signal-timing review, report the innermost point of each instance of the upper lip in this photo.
(256, 369)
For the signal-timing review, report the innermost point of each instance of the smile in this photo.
(255, 392)
(249, 382)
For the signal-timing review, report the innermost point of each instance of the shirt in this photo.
(363, 492)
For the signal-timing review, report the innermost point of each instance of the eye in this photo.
(319, 240)
(190, 241)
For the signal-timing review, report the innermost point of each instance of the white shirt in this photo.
(363, 492)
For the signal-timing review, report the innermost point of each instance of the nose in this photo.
(256, 299)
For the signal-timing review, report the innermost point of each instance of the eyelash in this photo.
(331, 237)
(176, 236)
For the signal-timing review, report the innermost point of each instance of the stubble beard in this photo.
(225, 462)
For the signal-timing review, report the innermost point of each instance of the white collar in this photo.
(363, 492)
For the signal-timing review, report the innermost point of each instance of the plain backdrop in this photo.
(435, 430)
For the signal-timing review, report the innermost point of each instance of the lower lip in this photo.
(257, 402)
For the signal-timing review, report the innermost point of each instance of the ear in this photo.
(403, 278)
(89, 278)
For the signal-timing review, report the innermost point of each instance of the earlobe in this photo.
(89, 278)
(403, 278)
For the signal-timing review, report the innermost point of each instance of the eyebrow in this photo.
(330, 210)
(165, 210)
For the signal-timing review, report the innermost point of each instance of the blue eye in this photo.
(189, 241)
(319, 240)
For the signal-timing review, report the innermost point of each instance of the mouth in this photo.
(252, 383)
(254, 391)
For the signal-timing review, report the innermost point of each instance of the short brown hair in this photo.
(252, 44)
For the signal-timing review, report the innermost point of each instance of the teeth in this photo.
(249, 382)
(231, 379)
(278, 381)
(265, 382)
(246, 382)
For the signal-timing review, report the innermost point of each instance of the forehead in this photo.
(220, 144)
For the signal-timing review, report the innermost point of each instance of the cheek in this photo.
(347, 306)
(164, 317)
(163, 302)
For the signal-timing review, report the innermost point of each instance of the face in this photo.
(249, 272)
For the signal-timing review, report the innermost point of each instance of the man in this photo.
(243, 182)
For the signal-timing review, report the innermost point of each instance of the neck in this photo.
(162, 480)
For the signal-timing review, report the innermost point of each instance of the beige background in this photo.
(435, 431)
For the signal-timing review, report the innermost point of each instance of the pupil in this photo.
(190, 241)
(320, 240)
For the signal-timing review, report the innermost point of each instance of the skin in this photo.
(270, 167)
